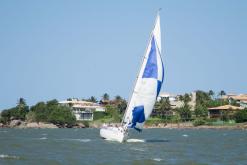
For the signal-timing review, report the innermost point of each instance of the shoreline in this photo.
(173, 126)
(187, 125)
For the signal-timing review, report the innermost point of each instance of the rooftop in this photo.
(241, 97)
(226, 107)
(80, 103)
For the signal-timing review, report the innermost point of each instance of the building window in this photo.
(86, 116)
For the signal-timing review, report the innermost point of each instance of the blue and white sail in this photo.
(148, 83)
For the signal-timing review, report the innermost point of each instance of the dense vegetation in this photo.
(199, 116)
(19, 112)
(52, 112)
(114, 110)
(241, 116)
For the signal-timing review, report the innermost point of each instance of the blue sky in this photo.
(61, 49)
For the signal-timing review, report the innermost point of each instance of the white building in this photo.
(83, 110)
(174, 99)
(241, 99)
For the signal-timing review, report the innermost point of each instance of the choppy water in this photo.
(152, 146)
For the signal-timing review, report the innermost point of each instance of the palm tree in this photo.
(22, 109)
(186, 98)
(122, 106)
(105, 96)
(92, 99)
(222, 93)
(163, 106)
(185, 110)
(120, 103)
(118, 99)
(21, 104)
(211, 93)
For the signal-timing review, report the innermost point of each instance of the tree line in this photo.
(52, 112)
(62, 116)
(199, 115)
(49, 111)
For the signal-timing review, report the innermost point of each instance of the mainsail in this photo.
(148, 83)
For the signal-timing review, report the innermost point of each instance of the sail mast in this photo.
(133, 90)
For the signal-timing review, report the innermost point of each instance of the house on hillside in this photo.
(241, 99)
(243, 104)
(175, 102)
(218, 112)
(83, 110)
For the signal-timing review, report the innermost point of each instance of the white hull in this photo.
(113, 133)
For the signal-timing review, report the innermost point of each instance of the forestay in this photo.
(148, 83)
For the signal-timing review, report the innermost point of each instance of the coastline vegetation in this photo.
(62, 116)
(49, 112)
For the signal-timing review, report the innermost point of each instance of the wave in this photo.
(147, 140)
(65, 139)
(138, 149)
(157, 159)
(185, 135)
(2, 156)
(135, 140)
(4, 131)
(80, 140)
(83, 140)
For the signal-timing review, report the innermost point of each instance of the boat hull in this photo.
(113, 133)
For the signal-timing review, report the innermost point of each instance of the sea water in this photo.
(152, 146)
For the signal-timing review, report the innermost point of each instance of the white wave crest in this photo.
(138, 149)
(84, 140)
(157, 159)
(135, 140)
(3, 156)
(79, 140)
(4, 131)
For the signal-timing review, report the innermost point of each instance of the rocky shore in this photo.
(190, 125)
(187, 125)
(24, 124)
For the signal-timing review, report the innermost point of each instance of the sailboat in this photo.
(145, 92)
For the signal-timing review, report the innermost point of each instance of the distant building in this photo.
(173, 98)
(243, 104)
(218, 112)
(175, 102)
(83, 110)
(241, 99)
